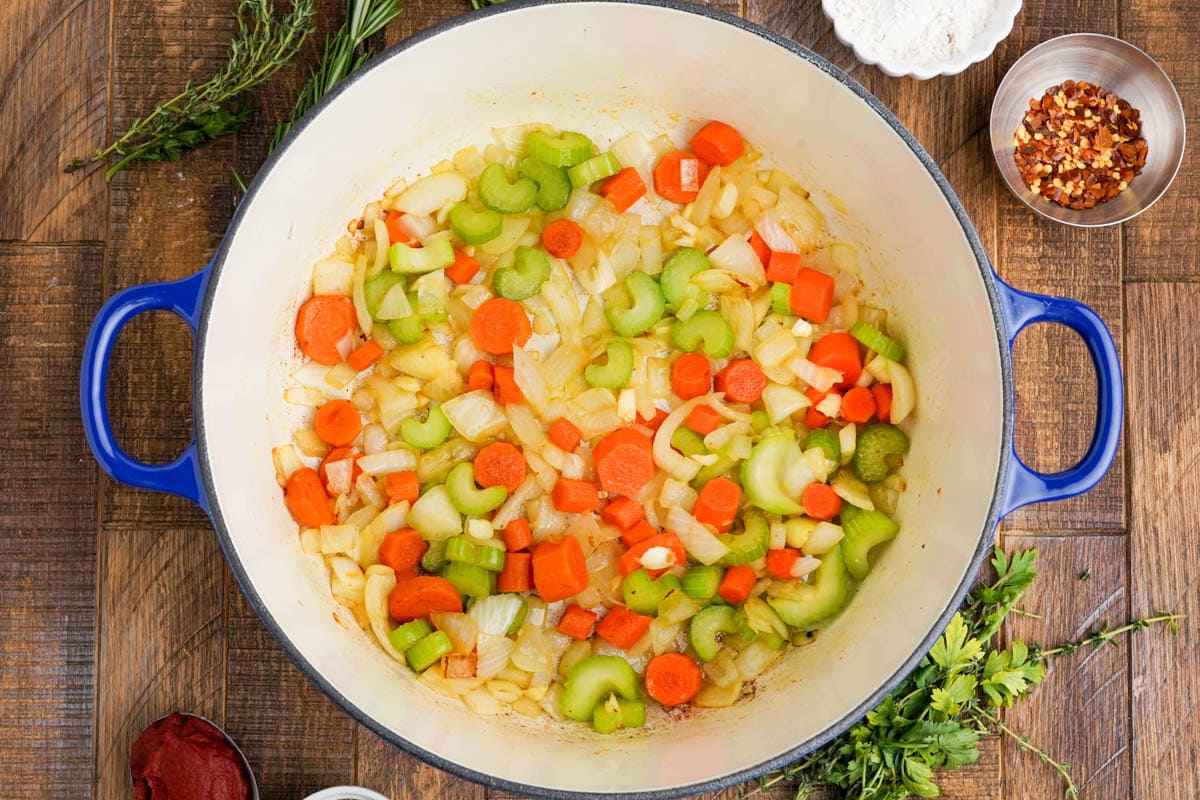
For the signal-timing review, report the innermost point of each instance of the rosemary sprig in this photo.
(342, 55)
(264, 43)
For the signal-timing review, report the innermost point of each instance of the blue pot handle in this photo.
(1024, 485)
(182, 298)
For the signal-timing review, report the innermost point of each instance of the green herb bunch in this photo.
(263, 44)
(936, 717)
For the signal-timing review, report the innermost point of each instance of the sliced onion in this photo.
(493, 652)
(737, 256)
(333, 276)
(820, 378)
(432, 193)
(853, 491)
(528, 376)
(337, 475)
(369, 491)
(380, 582)
(387, 462)
(904, 392)
(699, 542)
(777, 239)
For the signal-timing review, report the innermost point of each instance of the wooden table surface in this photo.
(117, 606)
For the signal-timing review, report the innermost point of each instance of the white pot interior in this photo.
(606, 69)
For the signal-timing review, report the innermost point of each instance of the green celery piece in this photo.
(615, 374)
(461, 548)
(408, 330)
(828, 441)
(565, 150)
(805, 604)
(498, 194)
(425, 653)
(688, 442)
(470, 580)
(434, 515)
(704, 330)
(490, 557)
(438, 254)
(615, 713)
(554, 186)
(409, 634)
(701, 581)
(435, 557)
(376, 286)
(781, 299)
(475, 226)
(469, 499)
(596, 168)
(711, 621)
(643, 594)
(428, 434)
(863, 530)
(723, 466)
(648, 306)
(877, 340)
(525, 278)
(759, 420)
(591, 680)
(749, 545)
(762, 474)
(677, 274)
(875, 443)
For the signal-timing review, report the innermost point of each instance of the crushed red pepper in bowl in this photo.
(1079, 145)
(185, 757)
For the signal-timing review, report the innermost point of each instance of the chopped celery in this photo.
(647, 308)
(700, 582)
(749, 545)
(554, 187)
(704, 330)
(428, 297)
(828, 441)
(376, 286)
(596, 168)
(875, 443)
(473, 226)
(863, 530)
(428, 434)
(408, 330)
(688, 442)
(591, 680)
(763, 471)
(425, 653)
(470, 580)
(710, 622)
(721, 468)
(409, 634)
(877, 340)
(615, 374)
(565, 150)
(643, 594)
(508, 198)
(434, 515)
(802, 605)
(462, 550)
(677, 275)
(500, 614)
(438, 254)
(435, 557)
(759, 420)
(772, 640)
(525, 278)
(781, 298)
(615, 713)
(469, 499)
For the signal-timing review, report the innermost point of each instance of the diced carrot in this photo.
(882, 393)
(500, 464)
(480, 376)
(460, 665)
(421, 596)
(630, 560)
(306, 498)
(517, 573)
(624, 189)
(624, 461)
(577, 622)
(499, 324)
(403, 487)
(335, 455)
(780, 563)
(396, 231)
(517, 536)
(673, 679)
(742, 381)
(402, 550)
(858, 404)
(718, 503)
(820, 501)
(559, 569)
(783, 267)
(703, 419)
(691, 376)
(505, 387)
(637, 532)
(653, 424)
(338, 423)
(405, 575)
(679, 176)
(623, 512)
(365, 355)
(322, 323)
(575, 496)
(736, 584)
(814, 419)
(718, 144)
(759, 245)
(812, 295)
(838, 350)
(622, 628)
(565, 435)
(463, 269)
(562, 238)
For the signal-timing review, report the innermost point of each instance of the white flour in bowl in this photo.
(915, 32)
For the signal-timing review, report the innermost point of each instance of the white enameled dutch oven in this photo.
(605, 68)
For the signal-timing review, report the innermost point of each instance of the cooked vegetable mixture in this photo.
(566, 462)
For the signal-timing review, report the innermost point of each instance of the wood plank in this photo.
(53, 80)
(390, 771)
(1164, 561)
(47, 550)
(1162, 243)
(1055, 385)
(1079, 713)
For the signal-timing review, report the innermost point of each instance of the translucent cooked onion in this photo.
(494, 652)
(431, 193)
(768, 227)
(528, 376)
(699, 542)
(820, 378)
(737, 256)
(387, 462)
(475, 415)
(852, 490)
(459, 627)
(333, 276)
(379, 584)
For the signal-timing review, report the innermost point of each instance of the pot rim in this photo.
(851, 716)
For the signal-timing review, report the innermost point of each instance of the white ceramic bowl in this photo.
(998, 26)
(605, 68)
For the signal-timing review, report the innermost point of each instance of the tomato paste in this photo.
(182, 757)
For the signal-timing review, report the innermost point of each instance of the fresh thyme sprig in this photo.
(364, 18)
(478, 4)
(264, 43)
(937, 715)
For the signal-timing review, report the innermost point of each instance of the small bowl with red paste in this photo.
(186, 757)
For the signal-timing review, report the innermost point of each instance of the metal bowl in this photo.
(1120, 68)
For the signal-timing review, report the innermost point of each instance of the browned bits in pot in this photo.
(1079, 145)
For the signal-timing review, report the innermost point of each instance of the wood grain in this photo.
(53, 80)
(1164, 559)
(47, 549)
